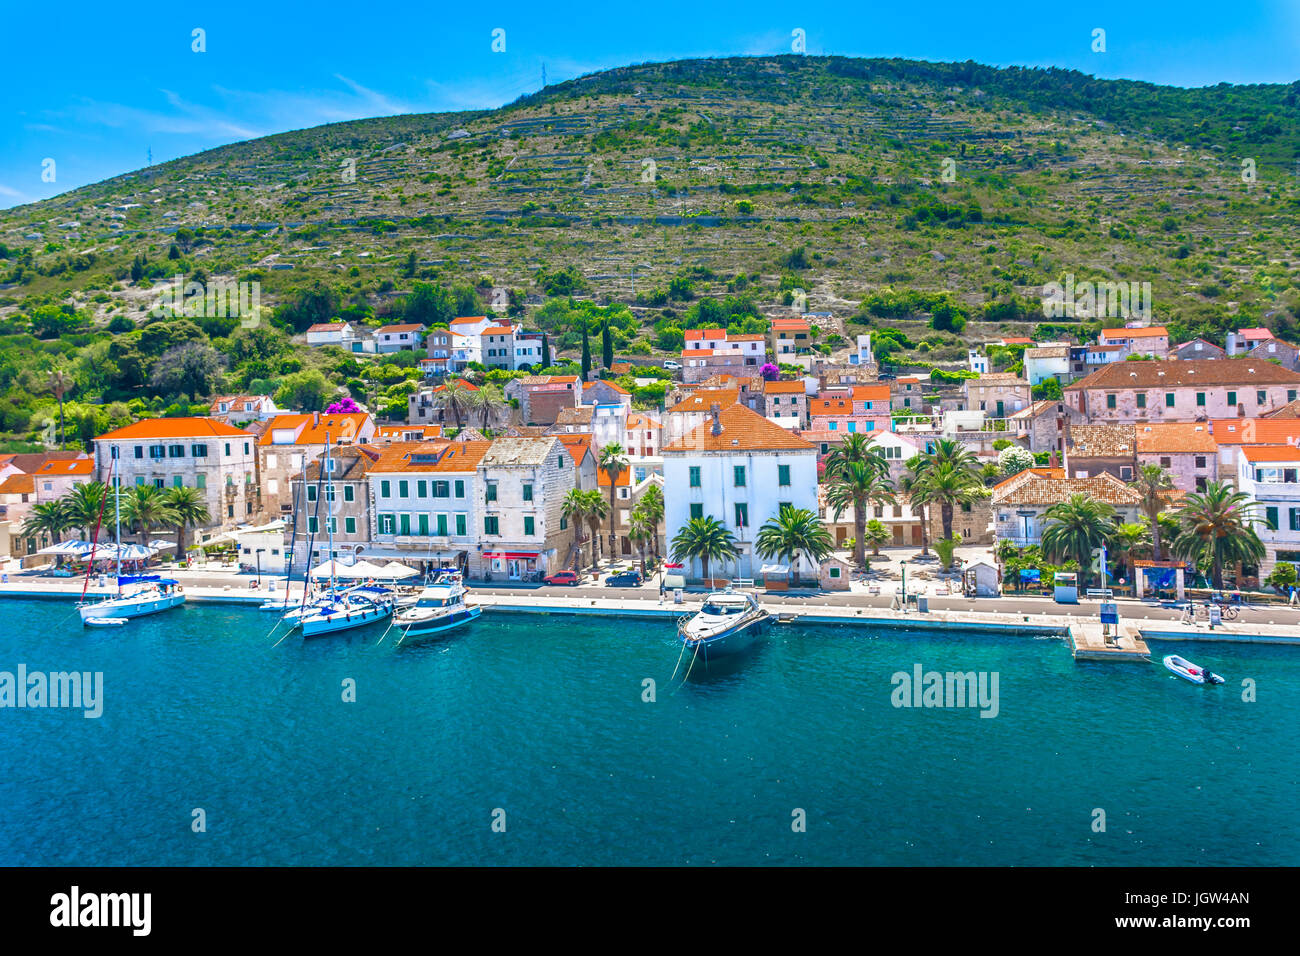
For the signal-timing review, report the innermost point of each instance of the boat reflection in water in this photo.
(729, 623)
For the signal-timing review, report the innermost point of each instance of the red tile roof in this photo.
(77, 466)
(1147, 332)
(311, 431)
(742, 430)
(1267, 453)
(172, 428)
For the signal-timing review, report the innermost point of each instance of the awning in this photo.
(774, 569)
(512, 554)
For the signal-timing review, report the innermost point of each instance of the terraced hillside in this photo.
(898, 193)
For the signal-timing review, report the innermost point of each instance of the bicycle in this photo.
(1228, 612)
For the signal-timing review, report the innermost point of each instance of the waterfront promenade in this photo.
(1272, 623)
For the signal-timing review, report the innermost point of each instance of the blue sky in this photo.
(96, 86)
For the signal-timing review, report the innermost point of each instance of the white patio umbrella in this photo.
(68, 548)
(395, 570)
(330, 568)
(362, 569)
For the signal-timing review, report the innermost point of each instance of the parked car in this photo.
(563, 577)
(624, 579)
(673, 366)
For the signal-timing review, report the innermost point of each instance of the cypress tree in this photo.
(606, 345)
(546, 351)
(586, 350)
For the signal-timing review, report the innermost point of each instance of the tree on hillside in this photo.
(192, 370)
(606, 345)
(586, 350)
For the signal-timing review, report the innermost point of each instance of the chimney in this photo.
(315, 419)
(714, 411)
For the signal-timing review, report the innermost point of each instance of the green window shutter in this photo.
(528, 492)
(403, 489)
(738, 472)
(1232, 398)
(460, 488)
(528, 525)
(424, 524)
(1270, 516)
(311, 492)
(422, 489)
(460, 524)
(695, 477)
(697, 511)
(404, 522)
(783, 474)
(442, 525)
(1200, 398)
(385, 490)
(1169, 399)
(350, 525)
(349, 493)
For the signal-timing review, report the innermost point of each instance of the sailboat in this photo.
(346, 609)
(137, 594)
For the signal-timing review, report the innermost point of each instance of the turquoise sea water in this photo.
(543, 718)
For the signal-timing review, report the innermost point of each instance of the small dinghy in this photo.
(1189, 671)
(104, 621)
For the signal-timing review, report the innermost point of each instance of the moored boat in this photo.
(154, 594)
(1189, 671)
(729, 622)
(440, 607)
(344, 613)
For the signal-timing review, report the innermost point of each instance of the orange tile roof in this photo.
(498, 330)
(1147, 373)
(789, 325)
(405, 327)
(77, 466)
(1149, 332)
(695, 353)
(1255, 333)
(1028, 488)
(18, 485)
(742, 430)
(1255, 431)
(467, 319)
(830, 406)
(327, 327)
(694, 334)
(578, 446)
(784, 388)
(452, 456)
(311, 432)
(755, 337)
(462, 381)
(1270, 453)
(1164, 438)
(871, 393)
(703, 399)
(1018, 341)
(636, 420)
(1040, 472)
(397, 431)
(172, 428)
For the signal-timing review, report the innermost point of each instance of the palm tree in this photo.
(613, 461)
(640, 531)
(59, 383)
(1217, 526)
(1127, 541)
(487, 401)
(574, 509)
(455, 398)
(1149, 482)
(949, 476)
(794, 532)
(652, 504)
(597, 509)
(912, 485)
(705, 538)
(84, 504)
(143, 509)
(47, 522)
(855, 448)
(856, 484)
(187, 510)
(877, 534)
(1075, 528)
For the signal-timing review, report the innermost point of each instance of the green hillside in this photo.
(678, 194)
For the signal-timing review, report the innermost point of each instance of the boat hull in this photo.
(440, 625)
(315, 625)
(1184, 669)
(734, 641)
(128, 608)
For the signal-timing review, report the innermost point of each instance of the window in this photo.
(1169, 399)
(1165, 461)
(1200, 399)
(1290, 394)
(1200, 461)
(311, 492)
(742, 514)
(1142, 399)
(1125, 472)
(460, 524)
(139, 451)
(491, 525)
(528, 492)
(201, 482)
(349, 493)
(460, 488)
(528, 525)
(1110, 401)
(442, 489)
(227, 448)
(421, 489)
(491, 494)
(738, 472)
(350, 525)
(332, 525)
(178, 481)
(564, 522)
(387, 523)
(782, 505)
(442, 525)
(697, 510)
(1294, 514)
(175, 451)
(559, 462)
(835, 572)
(422, 522)
(404, 523)
(157, 451)
(403, 489)
(385, 489)
(312, 526)
(783, 475)
(1232, 398)
(1261, 397)
(695, 477)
